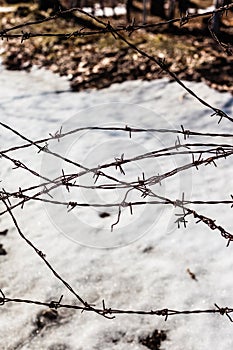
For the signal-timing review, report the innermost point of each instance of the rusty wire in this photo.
(144, 185)
(215, 152)
(129, 28)
(116, 33)
(165, 312)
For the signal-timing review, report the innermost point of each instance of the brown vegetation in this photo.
(98, 61)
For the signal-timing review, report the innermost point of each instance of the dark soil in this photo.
(4, 232)
(154, 340)
(2, 250)
(100, 60)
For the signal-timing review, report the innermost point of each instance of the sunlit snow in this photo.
(143, 263)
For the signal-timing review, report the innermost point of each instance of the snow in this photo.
(141, 264)
(208, 9)
(119, 10)
(5, 9)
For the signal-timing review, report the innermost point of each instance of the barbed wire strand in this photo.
(165, 312)
(130, 130)
(160, 62)
(129, 28)
(64, 179)
(141, 185)
(43, 257)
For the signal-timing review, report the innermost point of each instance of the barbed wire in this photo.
(46, 262)
(142, 185)
(228, 49)
(58, 135)
(220, 151)
(165, 312)
(214, 151)
(129, 28)
(164, 67)
(106, 312)
(115, 32)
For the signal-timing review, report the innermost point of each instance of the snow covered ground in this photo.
(143, 263)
